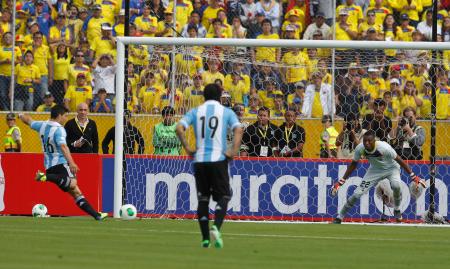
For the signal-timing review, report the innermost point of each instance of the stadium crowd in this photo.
(65, 53)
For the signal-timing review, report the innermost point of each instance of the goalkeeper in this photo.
(165, 139)
(384, 163)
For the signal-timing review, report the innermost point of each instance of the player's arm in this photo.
(25, 119)
(417, 180)
(72, 165)
(238, 132)
(347, 174)
(181, 133)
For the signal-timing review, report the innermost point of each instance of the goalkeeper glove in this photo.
(417, 180)
(336, 186)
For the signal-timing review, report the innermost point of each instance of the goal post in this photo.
(248, 43)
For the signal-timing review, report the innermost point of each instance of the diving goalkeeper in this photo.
(384, 163)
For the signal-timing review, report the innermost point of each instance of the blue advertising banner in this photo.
(267, 189)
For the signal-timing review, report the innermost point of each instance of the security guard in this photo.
(328, 148)
(13, 138)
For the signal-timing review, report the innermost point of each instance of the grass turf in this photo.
(27, 242)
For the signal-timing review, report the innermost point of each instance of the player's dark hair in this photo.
(369, 133)
(265, 109)
(212, 91)
(58, 110)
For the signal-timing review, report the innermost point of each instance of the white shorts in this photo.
(372, 177)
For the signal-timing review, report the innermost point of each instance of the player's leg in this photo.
(394, 180)
(203, 195)
(370, 179)
(82, 203)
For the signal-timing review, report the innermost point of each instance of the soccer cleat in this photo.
(101, 216)
(41, 177)
(206, 243)
(216, 237)
(337, 221)
(398, 216)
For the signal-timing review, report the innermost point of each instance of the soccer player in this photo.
(384, 163)
(210, 121)
(59, 165)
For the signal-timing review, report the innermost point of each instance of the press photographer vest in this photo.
(409, 151)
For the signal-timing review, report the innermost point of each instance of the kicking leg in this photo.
(82, 203)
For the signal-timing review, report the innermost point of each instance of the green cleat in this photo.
(206, 243)
(41, 177)
(216, 237)
(101, 216)
(337, 221)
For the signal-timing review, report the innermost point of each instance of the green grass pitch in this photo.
(83, 243)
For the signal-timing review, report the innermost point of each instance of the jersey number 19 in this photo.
(213, 123)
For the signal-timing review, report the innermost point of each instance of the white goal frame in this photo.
(230, 42)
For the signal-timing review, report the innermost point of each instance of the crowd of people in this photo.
(65, 54)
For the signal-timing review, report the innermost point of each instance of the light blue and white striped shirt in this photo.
(210, 121)
(52, 135)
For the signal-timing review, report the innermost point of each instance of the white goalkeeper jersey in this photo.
(381, 158)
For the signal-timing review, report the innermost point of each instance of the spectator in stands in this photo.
(199, 6)
(166, 28)
(119, 26)
(61, 59)
(157, 8)
(238, 31)
(409, 97)
(391, 105)
(48, 103)
(302, 10)
(328, 147)
(248, 14)
(298, 95)
(411, 8)
(101, 103)
(131, 137)
(265, 72)
(271, 10)
(148, 94)
(193, 95)
(33, 27)
(268, 94)
(425, 96)
(378, 122)
(210, 13)
(213, 72)
(194, 23)
(92, 26)
(289, 33)
(146, 24)
(354, 13)
(292, 18)
(408, 137)
(426, 26)
(79, 67)
(75, 20)
(28, 77)
(370, 23)
(326, 8)
(106, 43)
(290, 137)
(442, 95)
(260, 54)
(292, 75)
(5, 68)
(237, 88)
(319, 24)
(218, 29)
(60, 33)
(165, 139)
(104, 74)
(374, 84)
(405, 30)
(349, 137)
(43, 17)
(259, 138)
(278, 109)
(253, 106)
(390, 34)
(42, 59)
(380, 10)
(318, 98)
(183, 10)
(88, 54)
(75, 95)
(344, 31)
(82, 135)
(350, 97)
(446, 29)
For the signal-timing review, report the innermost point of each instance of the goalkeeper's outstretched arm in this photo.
(350, 170)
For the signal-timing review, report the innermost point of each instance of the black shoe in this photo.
(337, 221)
(398, 216)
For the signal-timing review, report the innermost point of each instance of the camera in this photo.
(403, 121)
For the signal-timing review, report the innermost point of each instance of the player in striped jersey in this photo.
(59, 165)
(210, 122)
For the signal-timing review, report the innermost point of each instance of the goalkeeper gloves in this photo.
(417, 180)
(336, 186)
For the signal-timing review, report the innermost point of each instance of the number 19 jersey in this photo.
(52, 135)
(210, 121)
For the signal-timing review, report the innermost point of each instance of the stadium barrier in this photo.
(264, 189)
(313, 128)
(22, 192)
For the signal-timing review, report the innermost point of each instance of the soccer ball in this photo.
(385, 193)
(128, 212)
(39, 211)
(416, 191)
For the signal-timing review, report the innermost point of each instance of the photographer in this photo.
(349, 138)
(408, 138)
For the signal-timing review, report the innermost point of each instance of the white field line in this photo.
(138, 231)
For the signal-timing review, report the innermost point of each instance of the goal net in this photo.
(335, 90)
